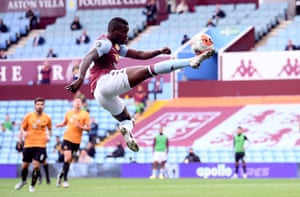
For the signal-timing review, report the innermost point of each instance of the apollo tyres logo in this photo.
(246, 71)
(290, 69)
(221, 170)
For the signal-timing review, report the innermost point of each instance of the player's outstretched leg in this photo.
(197, 60)
(168, 66)
(126, 127)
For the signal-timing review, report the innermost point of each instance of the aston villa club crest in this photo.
(98, 44)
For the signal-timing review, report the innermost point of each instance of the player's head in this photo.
(39, 104)
(77, 103)
(117, 30)
(239, 130)
(161, 130)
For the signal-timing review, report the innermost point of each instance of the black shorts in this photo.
(37, 153)
(239, 156)
(67, 145)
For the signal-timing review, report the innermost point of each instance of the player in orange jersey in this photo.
(35, 130)
(77, 121)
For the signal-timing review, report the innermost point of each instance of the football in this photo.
(201, 42)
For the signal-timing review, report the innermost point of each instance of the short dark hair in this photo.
(116, 23)
(39, 99)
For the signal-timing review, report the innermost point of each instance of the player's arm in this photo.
(138, 54)
(86, 126)
(247, 142)
(86, 62)
(233, 147)
(100, 47)
(87, 123)
(84, 65)
(167, 145)
(23, 127)
(21, 135)
(63, 123)
(153, 145)
(49, 128)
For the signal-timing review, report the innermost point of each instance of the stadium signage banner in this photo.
(76, 170)
(28, 71)
(213, 170)
(226, 170)
(236, 66)
(8, 170)
(98, 4)
(46, 8)
(144, 170)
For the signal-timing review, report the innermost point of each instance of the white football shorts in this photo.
(159, 157)
(108, 89)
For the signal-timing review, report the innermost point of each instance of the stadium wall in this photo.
(26, 92)
(45, 8)
(58, 91)
(244, 43)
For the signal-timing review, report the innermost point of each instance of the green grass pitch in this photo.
(114, 187)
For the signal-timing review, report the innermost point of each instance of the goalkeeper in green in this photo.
(239, 150)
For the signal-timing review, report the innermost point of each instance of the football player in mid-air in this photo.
(108, 82)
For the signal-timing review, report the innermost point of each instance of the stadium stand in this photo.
(170, 31)
(18, 27)
(61, 39)
(279, 41)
